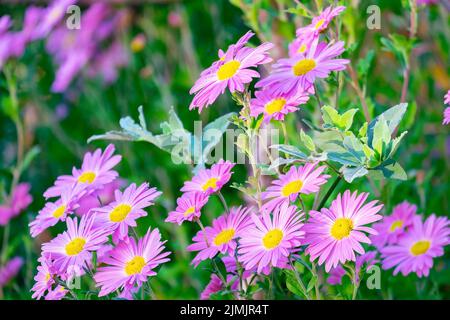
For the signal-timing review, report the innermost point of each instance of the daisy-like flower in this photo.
(188, 207)
(232, 71)
(415, 251)
(95, 172)
(301, 44)
(208, 181)
(276, 105)
(335, 234)
(53, 212)
(56, 294)
(10, 270)
(446, 116)
(321, 22)
(303, 179)
(44, 278)
(73, 248)
(447, 98)
(100, 197)
(271, 239)
(126, 209)
(221, 236)
(298, 73)
(215, 285)
(367, 260)
(130, 263)
(392, 227)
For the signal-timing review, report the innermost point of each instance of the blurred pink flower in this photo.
(10, 270)
(20, 200)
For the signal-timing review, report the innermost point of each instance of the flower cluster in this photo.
(99, 240)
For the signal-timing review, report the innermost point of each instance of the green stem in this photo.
(329, 192)
(224, 203)
(299, 280)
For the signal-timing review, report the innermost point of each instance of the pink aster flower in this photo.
(20, 200)
(321, 22)
(126, 209)
(232, 71)
(56, 294)
(221, 236)
(335, 234)
(130, 263)
(303, 179)
(271, 239)
(95, 172)
(73, 248)
(367, 260)
(98, 198)
(446, 116)
(53, 212)
(276, 105)
(447, 98)
(302, 43)
(10, 270)
(188, 207)
(44, 278)
(393, 227)
(415, 251)
(208, 181)
(215, 285)
(298, 73)
(21, 197)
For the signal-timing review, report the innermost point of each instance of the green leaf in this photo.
(307, 141)
(392, 116)
(381, 135)
(333, 119)
(292, 284)
(351, 173)
(29, 157)
(311, 283)
(290, 150)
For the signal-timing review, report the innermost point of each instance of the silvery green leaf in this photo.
(290, 150)
(393, 116)
(395, 143)
(381, 135)
(281, 161)
(354, 147)
(112, 135)
(308, 142)
(351, 173)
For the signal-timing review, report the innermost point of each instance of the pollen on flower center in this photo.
(120, 212)
(272, 239)
(211, 183)
(303, 66)
(397, 224)
(47, 277)
(59, 212)
(75, 246)
(319, 24)
(341, 228)
(87, 177)
(224, 236)
(420, 247)
(292, 188)
(134, 266)
(276, 105)
(228, 70)
(189, 211)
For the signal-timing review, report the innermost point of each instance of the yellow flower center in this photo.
(134, 266)
(291, 188)
(137, 45)
(276, 105)
(224, 236)
(319, 24)
(47, 277)
(303, 66)
(211, 183)
(87, 177)
(120, 212)
(272, 239)
(341, 228)
(420, 247)
(75, 246)
(302, 48)
(397, 224)
(189, 211)
(59, 212)
(228, 70)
